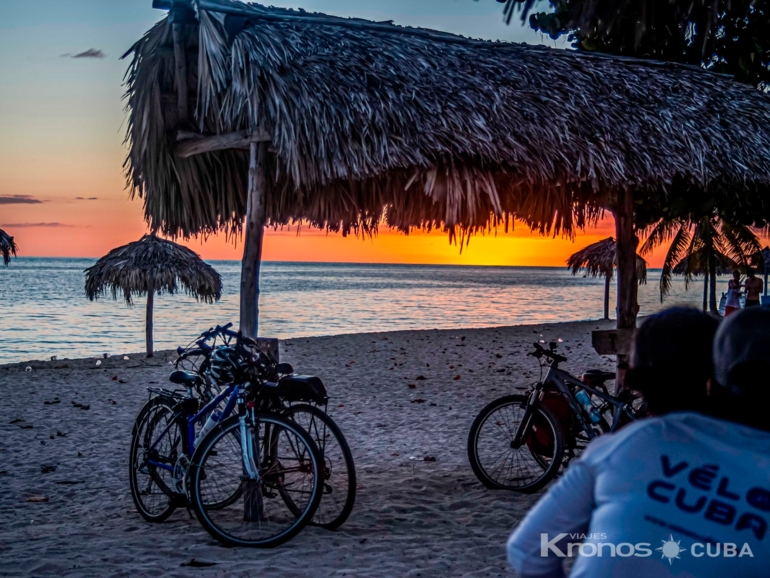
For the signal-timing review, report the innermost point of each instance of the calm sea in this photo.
(45, 312)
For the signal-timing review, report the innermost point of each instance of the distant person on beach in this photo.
(656, 497)
(733, 302)
(753, 288)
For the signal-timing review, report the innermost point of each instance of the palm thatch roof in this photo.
(152, 264)
(424, 129)
(7, 247)
(599, 260)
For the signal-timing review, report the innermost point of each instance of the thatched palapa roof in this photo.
(599, 260)
(152, 263)
(7, 247)
(432, 129)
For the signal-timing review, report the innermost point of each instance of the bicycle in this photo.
(277, 396)
(304, 400)
(275, 457)
(520, 442)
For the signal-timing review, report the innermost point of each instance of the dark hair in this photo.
(736, 271)
(671, 360)
(750, 272)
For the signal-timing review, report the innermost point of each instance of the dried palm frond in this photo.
(373, 123)
(7, 247)
(599, 260)
(152, 264)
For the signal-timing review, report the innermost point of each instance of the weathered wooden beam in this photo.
(612, 341)
(190, 143)
(180, 74)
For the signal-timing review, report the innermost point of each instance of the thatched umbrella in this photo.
(7, 247)
(238, 111)
(149, 266)
(599, 260)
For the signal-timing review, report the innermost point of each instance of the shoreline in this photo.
(169, 353)
(412, 516)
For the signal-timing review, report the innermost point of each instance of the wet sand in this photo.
(412, 517)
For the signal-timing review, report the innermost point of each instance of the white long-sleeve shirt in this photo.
(654, 500)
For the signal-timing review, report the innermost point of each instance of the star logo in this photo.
(670, 549)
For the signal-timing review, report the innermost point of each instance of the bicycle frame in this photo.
(188, 441)
(562, 381)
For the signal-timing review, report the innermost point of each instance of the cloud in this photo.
(33, 225)
(86, 199)
(90, 53)
(19, 200)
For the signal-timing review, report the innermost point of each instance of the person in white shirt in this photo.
(681, 495)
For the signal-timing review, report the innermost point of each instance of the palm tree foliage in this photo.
(7, 247)
(727, 36)
(700, 245)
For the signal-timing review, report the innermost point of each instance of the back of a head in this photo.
(741, 385)
(671, 359)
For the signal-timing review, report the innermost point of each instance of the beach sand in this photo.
(412, 517)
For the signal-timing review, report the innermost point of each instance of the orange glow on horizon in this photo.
(109, 229)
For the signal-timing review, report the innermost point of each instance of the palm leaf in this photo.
(676, 252)
(7, 247)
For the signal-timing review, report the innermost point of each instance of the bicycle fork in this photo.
(253, 502)
(534, 397)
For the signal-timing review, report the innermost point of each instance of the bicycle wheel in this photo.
(152, 486)
(288, 462)
(500, 465)
(339, 470)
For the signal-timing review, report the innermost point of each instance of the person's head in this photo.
(737, 275)
(740, 388)
(750, 273)
(671, 360)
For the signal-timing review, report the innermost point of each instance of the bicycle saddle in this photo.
(301, 388)
(184, 378)
(599, 375)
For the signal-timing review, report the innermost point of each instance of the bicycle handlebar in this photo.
(541, 351)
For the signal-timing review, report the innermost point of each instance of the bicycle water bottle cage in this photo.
(301, 388)
(185, 378)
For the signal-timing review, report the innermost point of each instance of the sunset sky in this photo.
(62, 189)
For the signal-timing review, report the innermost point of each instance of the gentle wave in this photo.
(45, 311)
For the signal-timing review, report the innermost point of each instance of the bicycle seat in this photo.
(598, 375)
(184, 378)
(301, 388)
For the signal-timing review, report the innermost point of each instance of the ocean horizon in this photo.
(46, 313)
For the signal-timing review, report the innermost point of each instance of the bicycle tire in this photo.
(148, 421)
(221, 523)
(506, 427)
(339, 468)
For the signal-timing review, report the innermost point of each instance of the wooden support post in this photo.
(252, 248)
(148, 319)
(180, 74)
(628, 283)
(607, 281)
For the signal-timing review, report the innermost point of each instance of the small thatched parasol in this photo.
(7, 247)
(149, 266)
(599, 260)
